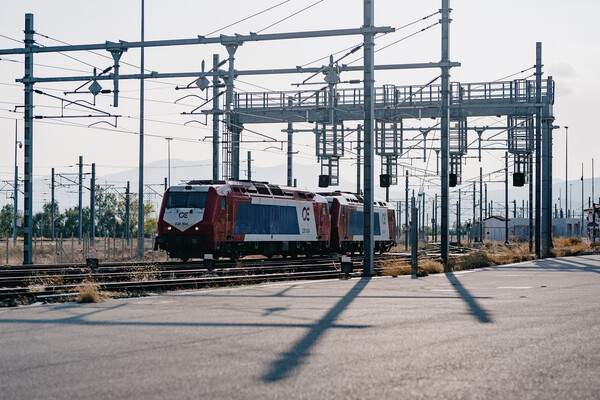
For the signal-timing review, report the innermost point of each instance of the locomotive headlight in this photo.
(168, 228)
(197, 228)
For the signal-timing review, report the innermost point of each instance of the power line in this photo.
(290, 16)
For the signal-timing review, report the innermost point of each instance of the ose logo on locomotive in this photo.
(306, 214)
(183, 214)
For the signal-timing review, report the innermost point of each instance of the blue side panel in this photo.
(260, 219)
(357, 223)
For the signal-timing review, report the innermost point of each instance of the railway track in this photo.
(27, 284)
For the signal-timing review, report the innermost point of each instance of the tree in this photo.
(6, 220)
(107, 222)
(150, 219)
(42, 221)
(70, 225)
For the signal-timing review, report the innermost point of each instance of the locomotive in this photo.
(347, 223)
(239, 218)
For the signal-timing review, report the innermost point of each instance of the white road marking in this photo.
(514, 287)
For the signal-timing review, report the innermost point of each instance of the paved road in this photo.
(529, 330)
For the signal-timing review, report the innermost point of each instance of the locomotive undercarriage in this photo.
(186, 247)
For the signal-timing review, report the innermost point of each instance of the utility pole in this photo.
(480, 204)
(290, 149)
(80, 198)
(435, 212)
(547, 128)
(506, 198)
(93, 206)
(458, 216)
(168, 180)
(369, 124)
(406, 215)
(486, 203)
(538, 150)
(423, 217)
(445, 119)
(140, 236)
(215, 118)
(530, 203)
(28, 184)
(358, 162)
(249, 173)
(474, 208)
(16, 186)
(52, 203)
(414, 234)
(568, 213)
(582, 205)
(127, 213)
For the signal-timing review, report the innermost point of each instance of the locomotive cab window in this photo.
(223, 203)
(186, 199)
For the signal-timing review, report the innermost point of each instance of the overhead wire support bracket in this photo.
(103, 114)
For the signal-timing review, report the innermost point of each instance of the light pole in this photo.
(169, 160)
(18, 144)
(566, 169)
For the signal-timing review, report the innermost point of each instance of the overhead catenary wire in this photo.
(376, 37)
(290, 16)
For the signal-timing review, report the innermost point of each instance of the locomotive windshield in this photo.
(186, 199)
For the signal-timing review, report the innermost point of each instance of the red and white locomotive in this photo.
(347, 223)
(237, 218)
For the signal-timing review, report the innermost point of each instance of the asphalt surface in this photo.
(523, 331)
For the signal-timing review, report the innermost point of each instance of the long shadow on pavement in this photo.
(291, 359)
(476, 310)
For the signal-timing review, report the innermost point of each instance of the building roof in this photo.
(498, 217)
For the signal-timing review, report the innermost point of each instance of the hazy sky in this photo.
(491, 40)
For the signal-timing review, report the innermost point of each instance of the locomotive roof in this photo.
(255, 187)
(352, 198)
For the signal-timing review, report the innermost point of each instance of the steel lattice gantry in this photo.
(516, 99)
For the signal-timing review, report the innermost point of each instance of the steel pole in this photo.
(140, 235)
(538, 151)
(582, 205)
(28, 164)
(369, 99)
(480, 204)
(290, 149)
(414, 234)
(358, 157)
(445, 116)
(16, 188)
(80, 198)
(52, 211)
(93, 206)
(506, 198)
(215, 119)
(169, 161)
(566, 172)
(406, 215)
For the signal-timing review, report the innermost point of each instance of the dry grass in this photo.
(49, 252)
(506, 254)
(394, 268)
(431, 266)
(88, 293)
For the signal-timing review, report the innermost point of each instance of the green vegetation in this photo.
(109, 217)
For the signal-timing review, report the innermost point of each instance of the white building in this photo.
(518, 228)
